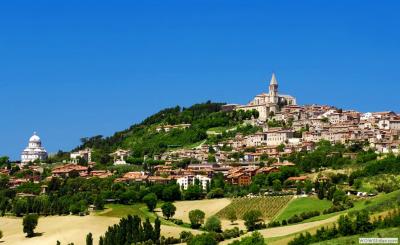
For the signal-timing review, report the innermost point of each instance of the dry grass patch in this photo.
(209, 207)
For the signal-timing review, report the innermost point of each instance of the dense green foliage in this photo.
(74, 195)
(131, 230)
(143, 139)
(255, 239)
(348, 225)
(202, 239)
(390, 164)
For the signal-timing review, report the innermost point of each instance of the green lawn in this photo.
(120, 211)
(304, 204)
(386, 233)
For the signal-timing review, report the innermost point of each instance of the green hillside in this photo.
(143, 138)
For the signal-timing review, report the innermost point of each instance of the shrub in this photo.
(196, 218)
(178, 222)
(29, 223)
(231, 215)
(202, 239)
(168, 210)
(213, 224)
(276, 223)
(216, 193)
(255, 239)
(185, 236)
(251, 218)
(231, 233)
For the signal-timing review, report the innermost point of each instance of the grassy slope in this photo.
(304, 204)
(381, 198)
(120, 210)
(387, 233)
(282, 240)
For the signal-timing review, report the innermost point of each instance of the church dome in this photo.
(35, 138)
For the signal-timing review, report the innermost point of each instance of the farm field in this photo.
(209, 207)
(67, 229)
(268, 206)
(303, 204)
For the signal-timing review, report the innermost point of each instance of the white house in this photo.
(185, 181)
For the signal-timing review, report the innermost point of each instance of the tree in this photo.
(345, 226)
(216, 193)
(157, 229)
(231, 215)
(196, 218)
(151, 201)
(89, 239)
(308, 186)
(168, 210)
(254, 188)
(29, 223)
(203, 239)
(213, 224)
(339, 196)
(101, 240)
(251, 218)
(99, 203)
(1, 234)
(148, 231)
(276, 185)
(193, 192)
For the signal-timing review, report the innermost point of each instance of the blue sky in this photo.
(70, 69)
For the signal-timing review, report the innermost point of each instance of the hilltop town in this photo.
(281, 128)
(271, 159)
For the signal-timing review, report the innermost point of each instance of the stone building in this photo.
(268, 103)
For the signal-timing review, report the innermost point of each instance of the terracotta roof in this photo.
(300, 178)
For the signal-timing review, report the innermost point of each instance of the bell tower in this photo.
(273, 90)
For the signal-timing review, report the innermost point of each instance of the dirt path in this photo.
(288, 230)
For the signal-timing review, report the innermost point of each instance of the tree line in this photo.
(349, 225)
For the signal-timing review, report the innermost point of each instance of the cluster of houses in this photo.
(202, 174)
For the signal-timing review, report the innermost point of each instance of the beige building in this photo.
(277, 137)
(83, 154)
(268, 103)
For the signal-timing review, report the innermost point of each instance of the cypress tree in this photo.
(157, 230)
(89, 239)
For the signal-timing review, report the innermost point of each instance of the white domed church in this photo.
(34, 150)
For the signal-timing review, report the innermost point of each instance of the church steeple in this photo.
(273, 80)
(273, 90)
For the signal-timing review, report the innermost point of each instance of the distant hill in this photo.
(144, 139)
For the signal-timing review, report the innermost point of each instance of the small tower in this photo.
(273, 90)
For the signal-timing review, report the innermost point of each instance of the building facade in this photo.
(268, 103)
(34, 151)
(185, 181)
